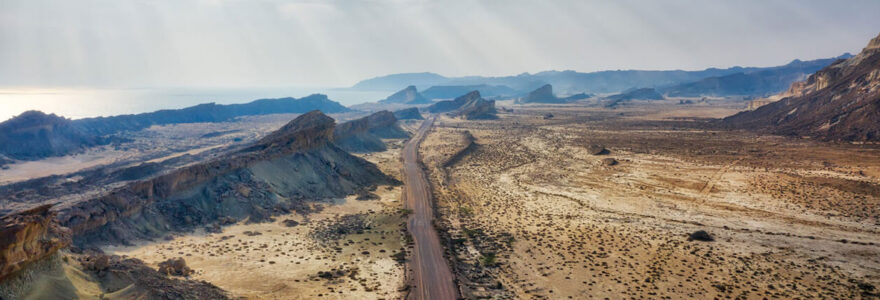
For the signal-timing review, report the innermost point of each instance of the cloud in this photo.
(336, 43)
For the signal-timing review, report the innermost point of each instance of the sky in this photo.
(237, 43)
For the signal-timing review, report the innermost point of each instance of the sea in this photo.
(76, 103)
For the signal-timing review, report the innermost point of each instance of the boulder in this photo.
(175, 267)
(701, 235)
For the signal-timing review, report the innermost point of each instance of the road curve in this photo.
(431, 275)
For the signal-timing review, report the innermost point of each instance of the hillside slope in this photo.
(839, 102)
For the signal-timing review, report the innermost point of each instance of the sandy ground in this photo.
(533, 214)
(352, 242)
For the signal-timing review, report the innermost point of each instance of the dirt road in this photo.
(431, 275)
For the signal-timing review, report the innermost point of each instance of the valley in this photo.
(594, 203)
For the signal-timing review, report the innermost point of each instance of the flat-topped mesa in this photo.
(293, 164)
(366, 134)
(408, 95)
(27, 237)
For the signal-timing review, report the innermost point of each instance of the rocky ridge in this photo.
(840, 102)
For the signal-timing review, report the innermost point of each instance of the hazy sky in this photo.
(210, 43)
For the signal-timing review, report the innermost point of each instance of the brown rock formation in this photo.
(29, 236)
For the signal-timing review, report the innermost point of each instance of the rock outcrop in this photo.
(840, 102)
(408, 95)
(543, 94)
(274, 175)
(366, 134)
(411, 113)
(477, 109)
(470, 106)
(34, 135)
(27, 237)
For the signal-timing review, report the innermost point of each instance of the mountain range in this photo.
(840, 102)
(615, 81)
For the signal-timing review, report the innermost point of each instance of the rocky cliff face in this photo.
(839, 102)
(408, 95)
(366, 134)
(275, 175)
(411, 113)
(543, 94)
(27, 237)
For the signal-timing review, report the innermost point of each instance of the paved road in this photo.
(431, 274)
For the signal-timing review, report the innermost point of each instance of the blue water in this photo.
(82, 103)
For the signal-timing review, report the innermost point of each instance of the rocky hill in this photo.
(408, 95)
(543, 94)
(839, 102)
(450, 105)
(366, 134)
(274, 175)
(35, 135)
(411, 113)
(477, 109)
(469, 106)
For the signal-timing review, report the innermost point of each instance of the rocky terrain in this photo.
(411, 113)
(408, 95)
(839, 102)
(27, 237)
(366, 134)
(272, 176)
(651, 201)
(287, 171)
(469, 106)
(34, 135)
